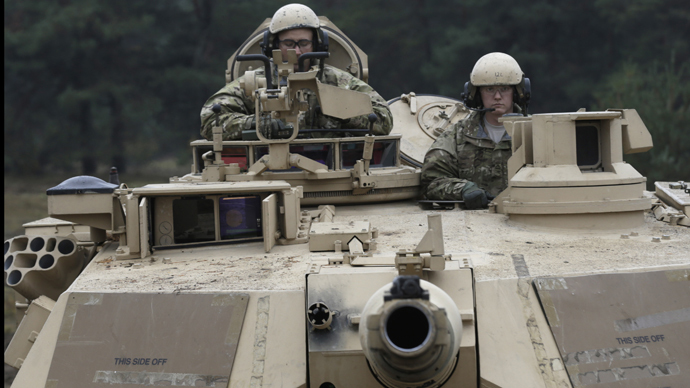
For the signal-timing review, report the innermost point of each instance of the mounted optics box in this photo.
(182, 214)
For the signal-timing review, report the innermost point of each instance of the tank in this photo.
(290, 261)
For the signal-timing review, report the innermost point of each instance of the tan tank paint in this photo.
(221, 238)
(34, 371)
(566, 165)
(213, 269)
(44, 265)
(22, 340)
(675, 194)
(507, 355)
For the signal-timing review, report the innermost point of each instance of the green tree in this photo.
(96, 81)
(652, 75)
(661, 94)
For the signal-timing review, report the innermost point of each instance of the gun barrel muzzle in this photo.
(411, 341)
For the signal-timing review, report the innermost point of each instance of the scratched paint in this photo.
(605, 355)
(520, 266)
(628, 373)
(652, 320)
(550, 284)
(261, 329)
(158, 378)
(545, 365)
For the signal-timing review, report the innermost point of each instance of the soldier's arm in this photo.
(236, 113)
(440, 176)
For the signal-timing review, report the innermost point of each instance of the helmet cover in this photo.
(293, 16)
(496, 69)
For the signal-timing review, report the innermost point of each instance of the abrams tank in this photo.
(288, 261)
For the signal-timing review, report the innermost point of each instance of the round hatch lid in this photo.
(421, 118)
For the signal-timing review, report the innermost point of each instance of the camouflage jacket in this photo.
(237, 110)
(465, 153)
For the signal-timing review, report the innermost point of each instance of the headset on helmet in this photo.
(289, 17)
(497, 69)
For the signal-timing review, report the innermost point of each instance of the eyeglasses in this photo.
(289, 43)
(491, 90)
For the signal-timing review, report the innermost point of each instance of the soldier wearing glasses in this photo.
(294, 26)
(469, 161)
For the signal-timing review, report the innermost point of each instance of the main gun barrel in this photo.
(410, 332)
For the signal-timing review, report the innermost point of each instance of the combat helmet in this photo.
(292, 16)
(497, 69)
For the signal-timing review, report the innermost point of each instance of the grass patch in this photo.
(25, 201)
(21, 208)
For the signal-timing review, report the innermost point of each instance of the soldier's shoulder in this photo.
(328, 69)
(343, 78)
(473, 118)
(232, 87)
(470, 125)
(451, 137)
(446, 141)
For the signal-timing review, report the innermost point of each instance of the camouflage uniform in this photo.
(465, 153)
(237, 110)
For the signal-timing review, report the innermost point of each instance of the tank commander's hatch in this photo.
(345, 55)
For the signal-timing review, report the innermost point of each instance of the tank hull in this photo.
(260, 324)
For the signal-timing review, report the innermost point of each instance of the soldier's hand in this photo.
(475, 197)
(272, 128)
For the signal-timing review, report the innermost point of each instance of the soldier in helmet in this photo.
(294, 26)
(469, 161)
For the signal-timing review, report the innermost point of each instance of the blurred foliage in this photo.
(89, 84)
(661, 93)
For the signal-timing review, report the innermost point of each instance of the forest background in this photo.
(93, 84)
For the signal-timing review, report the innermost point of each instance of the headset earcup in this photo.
(522, 92)
(274, 46)
(465, 96)
(324, 40)
(265, 49)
